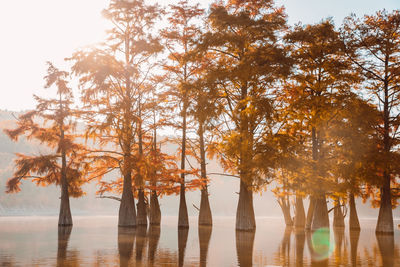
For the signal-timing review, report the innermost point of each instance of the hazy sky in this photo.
(33, 32)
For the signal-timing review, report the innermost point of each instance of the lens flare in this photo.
(322, 246)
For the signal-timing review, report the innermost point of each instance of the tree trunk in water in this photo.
(285, 206)
(385, 217)
(310, 213)
(64, 232)
(154, 237)
(321, 217)
(245, 219)
(65, 218)
(182, 241)
(204, 241)
(244, 247)
(354, 237)
(155, 211)
(126, 238)
(141, 218)
(205, 216)
(354, 223)
(127, 210)
(183, 218)
(300, 216)
(338, 217)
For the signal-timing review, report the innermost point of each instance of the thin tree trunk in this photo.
(127, 210)
(300, 216)
(354, 223)
(245, 219)
(65, 218)
(285, 206)
(205, 216)
(385, 217)
(204, 242)
(338, 217)
(321, 217)
(183, 218)
(155, 211)
(141, 218)
(310, 213)
(244, 247)
(182, 241)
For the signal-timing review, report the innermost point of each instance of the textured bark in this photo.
(182, 241)
(141, 218)
(204, 241)
(155, 211)
(354, 237)
(154, 238)
(127, 210)
(385, 217)
(205, 216)
(183, 218)
(310, 213)
(126, 238)
(300, 239)
(300, 215)
(285, 206)
(141, 238)
(338, 217)
(386, 248)
(354, 223)
(244, 247)
(245, 219)
(64, 232)
(321, 217)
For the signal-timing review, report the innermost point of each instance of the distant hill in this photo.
(33, 200)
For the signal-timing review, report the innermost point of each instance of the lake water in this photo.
(97, 241)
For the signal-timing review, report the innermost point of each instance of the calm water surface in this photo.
(97, 241)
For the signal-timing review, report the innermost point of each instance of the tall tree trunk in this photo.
(183, 218)
(244, 247)
(245, 219)
(65, 218)
(204, 241)
(338, 217)
(385, 217)
(154, 237)
(321, 217)
(354, 237)
(141, 218)
(205, 216)
(300, 216)
(354, 223)
(182, 241)
(126, 238)
(64, 232)
(285, 206)
(127, 210)
(310, 213)
(155, 211)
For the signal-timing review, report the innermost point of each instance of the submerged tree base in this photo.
(245, 219)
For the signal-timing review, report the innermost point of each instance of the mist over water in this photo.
(97, 241)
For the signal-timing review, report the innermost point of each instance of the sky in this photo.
(33, 32)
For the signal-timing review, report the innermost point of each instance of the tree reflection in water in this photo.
(126, 238)
(354, 237)
(316, 256)
(386, 248)
(141, 239)
(182, 240)
(154, 237)
(244, 247)
(64, 232)
(300, 239)
(204, 241)
(340, 255)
